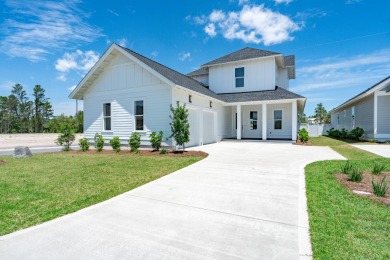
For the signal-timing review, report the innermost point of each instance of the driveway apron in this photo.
(246, 200)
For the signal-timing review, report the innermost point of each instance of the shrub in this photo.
(84, 144)
(347, 168)
(334, 133)
(303, 135)
(156, 139)
(356, 133)
(380, 187)
(115, 143)
(164, 151)
(378, 169)
(180, 127)
(135, 142)
(66, 138)
(344, 133)
(99, 142)
(356, 175)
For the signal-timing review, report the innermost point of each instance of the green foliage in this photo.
(99, 142)
(135, 142)
(76, 122)
(356, 175)
(84, 144)
(321, 115)
(164, 151)
(302, 118)
(347, 168)
(115, 143)
(66, 137)
(180, 127)
(380, 187)
(303, 135)
(156, 139)
(355, 133)
(378, 169)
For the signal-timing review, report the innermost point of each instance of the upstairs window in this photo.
(253, 119)
(239, 74)
(139, 115)
(107, 116)
(278, 119)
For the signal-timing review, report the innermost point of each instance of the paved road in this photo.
(379, 149)
(245, 201)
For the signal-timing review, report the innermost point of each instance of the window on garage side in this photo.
(239, 74)
(253, 119)
(139, 115)
(278, 119)
(107, 116)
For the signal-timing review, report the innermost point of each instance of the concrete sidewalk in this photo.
(379, 149)
(245, 201)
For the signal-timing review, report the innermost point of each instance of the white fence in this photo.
(316, 129)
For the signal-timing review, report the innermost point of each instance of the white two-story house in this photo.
(243, 95)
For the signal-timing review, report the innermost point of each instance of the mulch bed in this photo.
(146, 153)
(366, 185)
(2, 162)
(299, 142)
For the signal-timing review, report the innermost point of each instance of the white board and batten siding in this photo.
(259, 74)
(121, 84)
(204, 79)
(282, 79)
(286, 131)
(384, 115)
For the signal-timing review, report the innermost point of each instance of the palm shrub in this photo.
(99, 142)
(180, 127)
(303, 135)
(67, 136)
(347, 168)
(84, 144)
(380, 187)
(115, 143)
(135, 142)
(378, 169)
(356, 175)
(156, 139)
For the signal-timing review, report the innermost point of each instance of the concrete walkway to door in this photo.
(242, 202)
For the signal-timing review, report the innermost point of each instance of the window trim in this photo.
(235, 77)
(273, 115)
(252, 120)
(135, 116)
(104, 117)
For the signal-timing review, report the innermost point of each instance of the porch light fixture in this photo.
(211, 104)
(190, 98)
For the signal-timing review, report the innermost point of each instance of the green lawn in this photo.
(47, 186)
(343, 225)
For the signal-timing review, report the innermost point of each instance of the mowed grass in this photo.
(47, 186)
(343, 148)
(342, 224)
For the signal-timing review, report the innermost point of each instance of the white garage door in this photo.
(208, 128)
(194, 127)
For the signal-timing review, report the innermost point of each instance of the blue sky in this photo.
(342, 47)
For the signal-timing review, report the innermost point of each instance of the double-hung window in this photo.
(139, 115)
(239, 74)
(253, 119)
(278, 119)
(107, 116)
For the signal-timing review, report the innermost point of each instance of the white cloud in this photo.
(40, 28)
(154, 53)
(252, 24)
(78, 61)
(112, 12)
(286, 2)
(183, 56)
(200, 19)
(210, 30)
(122, 42)
(351, 2)
(72, 87)
(242, 2)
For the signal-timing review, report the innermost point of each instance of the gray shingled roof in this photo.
(277, 94)
(243, 54)
(365, 91)
(198, 72)
(289, 60)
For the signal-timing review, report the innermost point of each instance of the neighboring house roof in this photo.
(243, 54)
(265, 95)
(198, 72)
(364, 93)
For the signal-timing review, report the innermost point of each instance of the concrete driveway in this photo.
(379, 149)
(245, 201)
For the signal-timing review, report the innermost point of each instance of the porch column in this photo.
(238, 122)
(375, 113)
(264, 121)
(294, 119)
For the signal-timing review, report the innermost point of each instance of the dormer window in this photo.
(239, 73)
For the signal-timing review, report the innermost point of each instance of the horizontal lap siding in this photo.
(121, 84)
(383, 114)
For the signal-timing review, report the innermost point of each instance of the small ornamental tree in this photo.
(180, 127)
(156, 139)
(99, 142)
(66, 138)
(135, 142)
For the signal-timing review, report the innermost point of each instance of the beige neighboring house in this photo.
(369, 110)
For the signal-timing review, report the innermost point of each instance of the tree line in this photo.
(320, 114)
(20, 114)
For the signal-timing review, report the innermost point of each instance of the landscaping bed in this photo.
(144, 153)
